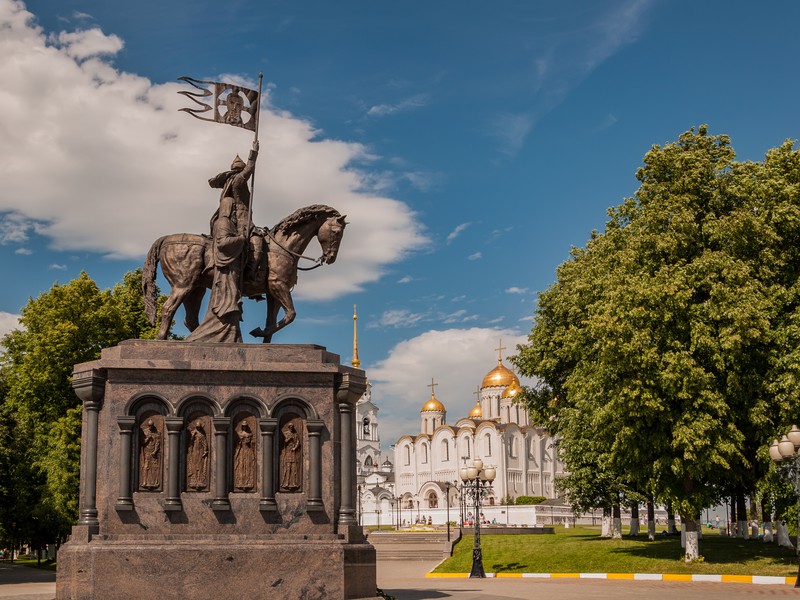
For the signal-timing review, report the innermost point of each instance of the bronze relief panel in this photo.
(151, 452)
(198, 452)
(291, 453)
(244, 453)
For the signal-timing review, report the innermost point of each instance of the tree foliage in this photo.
(40, 416)
(667, 350)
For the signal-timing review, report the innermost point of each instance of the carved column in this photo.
(314, 498)
(89, 386)
(221, 426)
(125, 500)
(267, 501)
(347, 514)
(174, 427)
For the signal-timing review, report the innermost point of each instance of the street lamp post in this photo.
(360, 506)
(447, 502)
(476, 485)
(785, 452)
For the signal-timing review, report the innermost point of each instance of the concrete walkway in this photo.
(406, 580)
(24, 583)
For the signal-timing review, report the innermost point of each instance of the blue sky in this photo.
(470, 143)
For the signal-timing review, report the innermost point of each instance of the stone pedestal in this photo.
(217, 471)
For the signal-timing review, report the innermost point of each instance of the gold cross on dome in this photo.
(500, 351)
(432, 386)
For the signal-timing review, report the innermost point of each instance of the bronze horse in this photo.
(183, 263)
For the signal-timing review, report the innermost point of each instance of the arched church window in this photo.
(433, 500)
(408, 455)
(445, 450)
(424, 453)
(467, 452)
(368, 461)
(366, 426)
(488, 444)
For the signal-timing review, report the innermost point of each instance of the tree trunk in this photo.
(766, 512)
(732, 519)
(689, 529)
(634, 519)
(741, 517)
(753, 515)
(605, 527)
(651, 520)
(783, 535)
(616, 524)
(768, 536)
(670, 520)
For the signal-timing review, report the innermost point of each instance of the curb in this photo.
(754, 579)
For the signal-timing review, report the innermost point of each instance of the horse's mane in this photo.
(301, 215)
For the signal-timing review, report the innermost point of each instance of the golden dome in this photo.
(433, 404)
(500, 376)
(511, 391)
(476, 411)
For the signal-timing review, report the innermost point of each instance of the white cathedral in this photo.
(424, 474)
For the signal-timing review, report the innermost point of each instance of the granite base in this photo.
(221, 569)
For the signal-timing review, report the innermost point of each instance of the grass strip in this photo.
(581, 550)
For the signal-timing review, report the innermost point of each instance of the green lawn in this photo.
(581, 550)
(31, 562)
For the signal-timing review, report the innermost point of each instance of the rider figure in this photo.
(234, 185)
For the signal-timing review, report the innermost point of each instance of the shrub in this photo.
(530, 499)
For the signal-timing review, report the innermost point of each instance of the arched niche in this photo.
(244, 414)
(149, 448)
(197, 442)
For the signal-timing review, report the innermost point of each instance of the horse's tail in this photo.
(149, 287)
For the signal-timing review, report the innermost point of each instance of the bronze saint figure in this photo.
(197, 458)
(150, 457)
(244, 458)
(291, 455)
(233, 183)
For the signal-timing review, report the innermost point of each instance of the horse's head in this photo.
(330, 236)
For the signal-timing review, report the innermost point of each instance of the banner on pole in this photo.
(231, 104)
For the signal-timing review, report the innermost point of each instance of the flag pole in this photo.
(252, 192)
(253, 176)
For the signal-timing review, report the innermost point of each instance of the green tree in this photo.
(658, 340)
(40, 416)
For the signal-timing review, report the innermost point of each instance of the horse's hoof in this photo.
(257, 332)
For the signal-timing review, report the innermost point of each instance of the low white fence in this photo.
(512, 515)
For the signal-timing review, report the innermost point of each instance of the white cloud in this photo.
(382, 110)
(475, 256)
(456, 358)
(87, 43)
(400, 318)
(512, 130)
(8, 322)
(516, 290)
(457, 231)
(406, 279)
(23, 251)
(423, 181)
(57, 267)
(530, 318)
(455, 317)
(565, 61)
(14, 228)
(124, 167)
